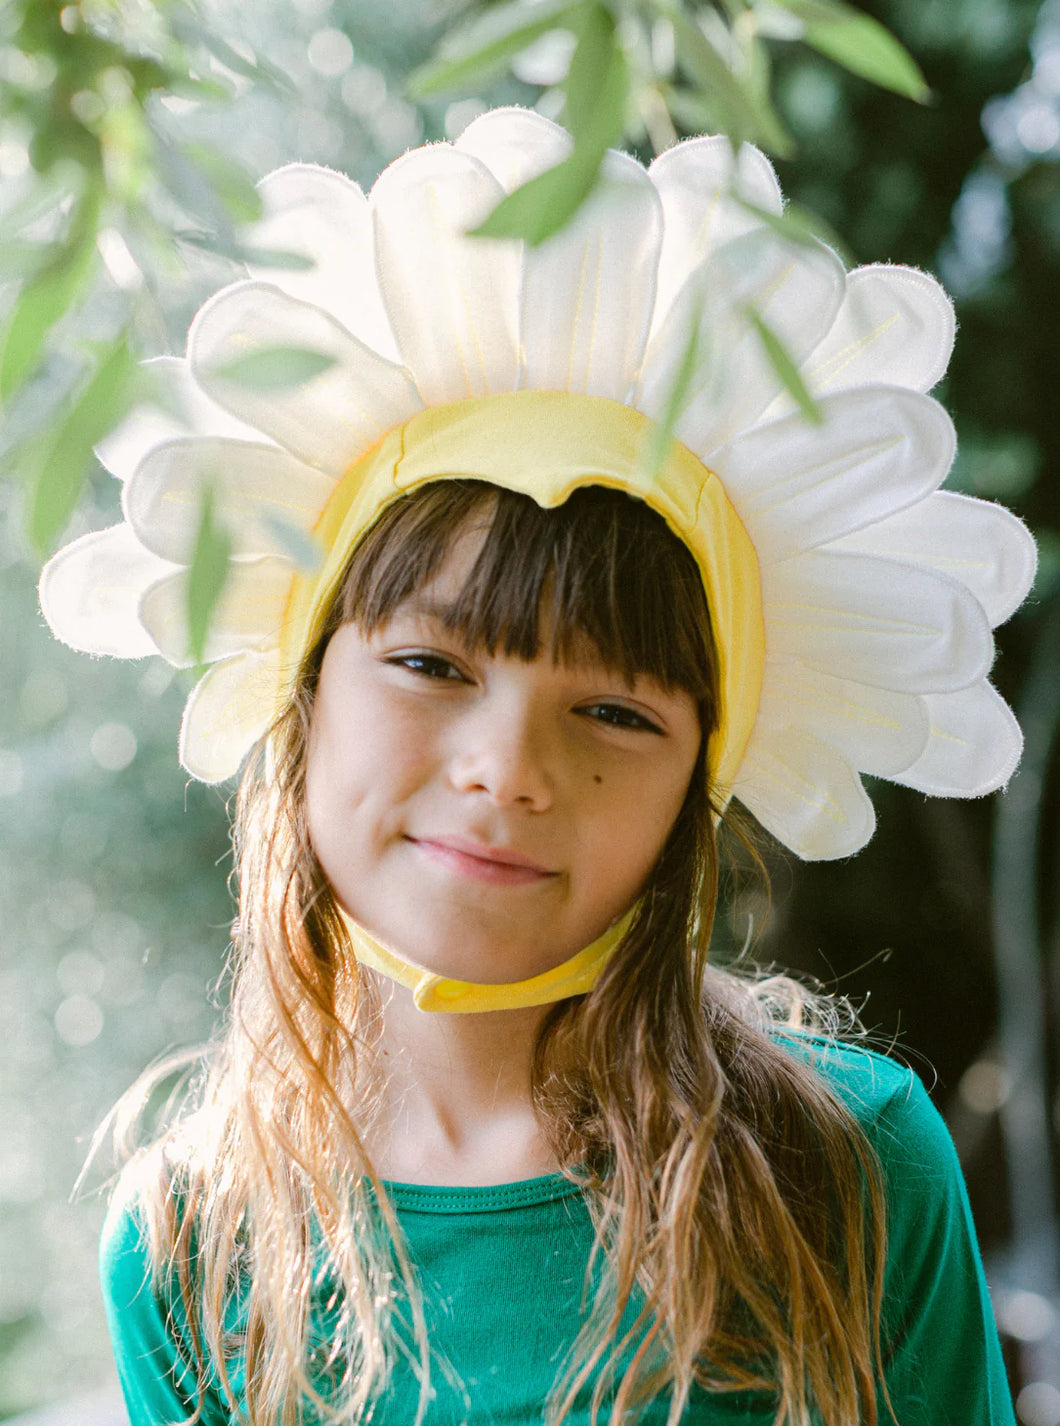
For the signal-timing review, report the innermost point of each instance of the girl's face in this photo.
(487, 817)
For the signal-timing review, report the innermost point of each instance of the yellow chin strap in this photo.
(439, 992)
(546, 444)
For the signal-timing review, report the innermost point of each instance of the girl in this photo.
(486, 1137)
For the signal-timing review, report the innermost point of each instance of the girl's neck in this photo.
(457, 1106)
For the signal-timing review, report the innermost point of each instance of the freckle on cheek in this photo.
(597, 777)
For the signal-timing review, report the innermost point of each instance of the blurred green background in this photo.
(113, 899)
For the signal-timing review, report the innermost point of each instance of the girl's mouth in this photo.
(500, 866)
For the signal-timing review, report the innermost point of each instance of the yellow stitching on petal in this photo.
(884, 624)
(823, 802)
(855, 458)
(826, 372)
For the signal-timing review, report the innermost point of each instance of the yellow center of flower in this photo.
(546, 444)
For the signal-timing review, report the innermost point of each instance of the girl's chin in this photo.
(480, 959)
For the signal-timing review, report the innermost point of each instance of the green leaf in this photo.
(46, 297)
(786, 369)
(860, 44)
(662, 433)
(597, 89)
(275, 368)
(478, 52)
(234, 187)
(272, 257)
(67, 460)
(797, 224)
(18, 260)
(294, 542)
(544, 204)
(207, 576)
(723, 101)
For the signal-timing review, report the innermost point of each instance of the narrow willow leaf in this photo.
(862, 45)
(758, 83)
(295, 543)
(207, 576)
(722, 101)
(46, 297)
(18, 260)
(661, 438)
(588, 67)
(596, 89)
(786, 369)
(234, 187)
(275, 368)
(543, 205)
(859, 43)
(188, 27)
(272, 257)
(797, 224)
(190, 186)
(68, 458)
(478, 52)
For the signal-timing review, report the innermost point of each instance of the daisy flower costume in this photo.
(852, 600)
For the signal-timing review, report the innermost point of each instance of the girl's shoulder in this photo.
(888, 1100)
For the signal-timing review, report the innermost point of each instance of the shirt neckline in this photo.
(479, 1198)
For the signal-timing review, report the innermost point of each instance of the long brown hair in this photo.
(736, 1202)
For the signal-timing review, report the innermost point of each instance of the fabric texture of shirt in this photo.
(503, 1269)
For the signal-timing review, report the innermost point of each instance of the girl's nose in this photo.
(503, 752)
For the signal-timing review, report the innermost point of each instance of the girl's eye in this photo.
(427, 665)
(617, 715)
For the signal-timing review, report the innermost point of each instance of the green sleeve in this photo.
(154, 1365)
(941, 1349)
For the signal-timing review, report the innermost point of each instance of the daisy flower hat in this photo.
(852, 599)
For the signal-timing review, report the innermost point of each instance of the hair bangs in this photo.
(600, 575)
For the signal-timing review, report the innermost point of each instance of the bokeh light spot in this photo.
(113, 745)
(80, 973)
(1027, 1316)
(984, 1087)
(11, 775)
(1038, 1404)
(330, 53)
(78, 1020)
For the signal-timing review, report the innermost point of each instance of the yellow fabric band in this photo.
(438, 992)
(546, 444)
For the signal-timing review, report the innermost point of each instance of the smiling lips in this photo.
(498, 865)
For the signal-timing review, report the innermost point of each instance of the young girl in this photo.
(486, 1137)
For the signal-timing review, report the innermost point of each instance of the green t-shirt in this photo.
(503, 1270)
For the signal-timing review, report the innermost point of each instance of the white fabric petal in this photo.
(973, 747)
(796, 485)
(701, 183)
(147, 426)
(324, 216)
(257, 490)
(983, 546)
(248, 615)
(876, 730)
(576, 336)
(515, 144)
(227, 711)
(328, 421)
(805, 794)
(794, 290)
(453, 299)
(90, 593)
(896, 327)
(876, 621)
